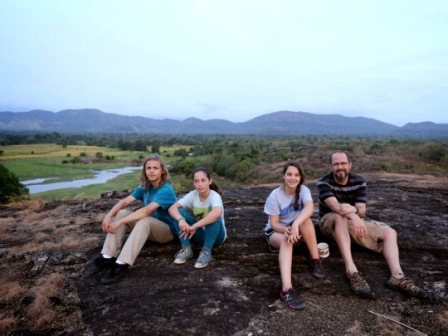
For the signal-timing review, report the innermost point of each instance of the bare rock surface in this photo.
(238, 293)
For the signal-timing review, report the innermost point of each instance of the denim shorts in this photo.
(267, 234)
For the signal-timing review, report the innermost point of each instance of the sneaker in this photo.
(407, 287)
(292, 299)
(183, 255)
(102, 263)
(204, 258)
(116, 273)
(317, 270)
(358, 284)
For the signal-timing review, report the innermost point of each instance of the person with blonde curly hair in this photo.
(151, 222)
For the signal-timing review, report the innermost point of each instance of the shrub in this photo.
(376, 148)
(180, 152)
(11, 188)
(155, 148)
(185, 166)
(434, 152)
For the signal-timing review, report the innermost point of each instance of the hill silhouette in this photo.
(276, 123)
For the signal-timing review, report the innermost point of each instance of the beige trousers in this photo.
(146, 228)
(374, 230)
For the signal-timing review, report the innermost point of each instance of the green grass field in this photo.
(57, 151)
(45, 161)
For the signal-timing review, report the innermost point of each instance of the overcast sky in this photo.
(227, 59)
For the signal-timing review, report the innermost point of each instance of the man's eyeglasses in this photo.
(337, 164)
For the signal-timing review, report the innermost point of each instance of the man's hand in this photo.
(346, 209)
(359, 227)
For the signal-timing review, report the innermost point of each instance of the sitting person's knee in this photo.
(389, 233)
(285, 244)
(339, 220)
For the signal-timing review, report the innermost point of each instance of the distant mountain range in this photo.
(276, 123)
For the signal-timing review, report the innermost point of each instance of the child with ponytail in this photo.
(289, 208)
(200, 218)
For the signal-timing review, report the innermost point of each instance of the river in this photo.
(101, 176)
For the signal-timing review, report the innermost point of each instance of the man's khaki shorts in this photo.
(374, 230)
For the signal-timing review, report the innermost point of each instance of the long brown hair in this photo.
(165, 173)
(213, 185)
(302, 179)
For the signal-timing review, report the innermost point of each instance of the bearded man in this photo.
(342, 211)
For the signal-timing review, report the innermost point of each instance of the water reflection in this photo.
(102, 176)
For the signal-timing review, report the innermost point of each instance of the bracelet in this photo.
(180, 218)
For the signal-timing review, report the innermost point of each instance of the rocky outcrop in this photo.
(237, 294)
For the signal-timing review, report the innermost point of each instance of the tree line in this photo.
(247, 159)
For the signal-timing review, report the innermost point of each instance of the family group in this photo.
(198, 218)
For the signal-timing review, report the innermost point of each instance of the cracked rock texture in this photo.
(47, 286)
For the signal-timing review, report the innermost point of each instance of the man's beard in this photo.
(340, 176)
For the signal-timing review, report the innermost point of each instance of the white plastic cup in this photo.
(324, 250)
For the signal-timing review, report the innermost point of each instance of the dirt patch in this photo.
(46, 287)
